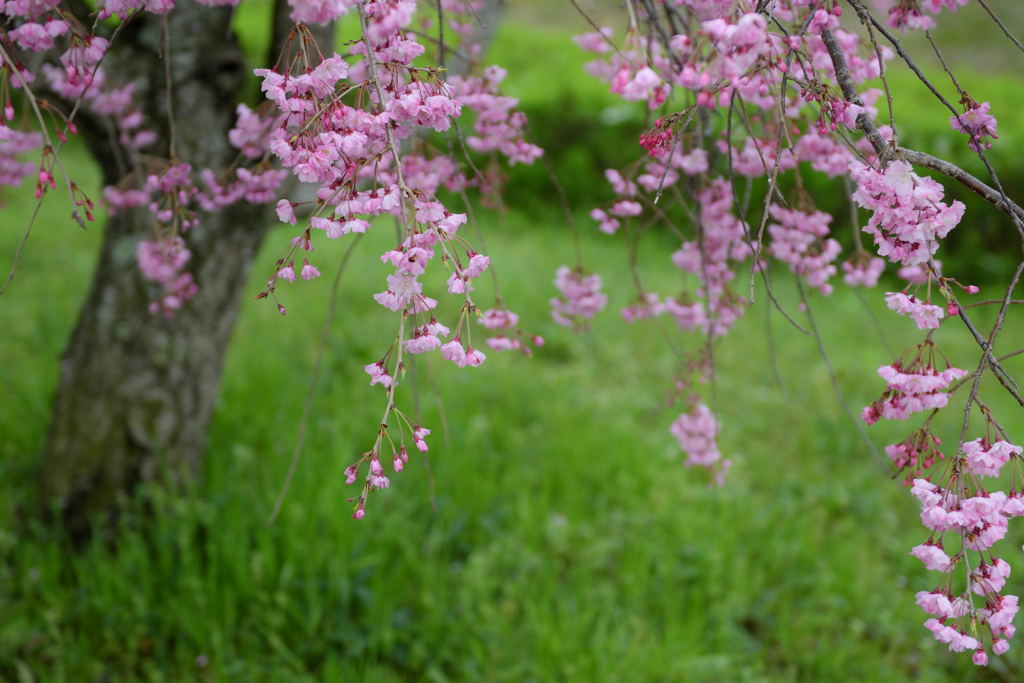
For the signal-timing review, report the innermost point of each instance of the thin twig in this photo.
(597, 28)
(307, 408)
(1001, 25)
(165, 32)
(832, 374)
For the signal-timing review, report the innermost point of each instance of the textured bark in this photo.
(137, 391)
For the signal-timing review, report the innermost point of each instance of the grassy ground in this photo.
(567, 543)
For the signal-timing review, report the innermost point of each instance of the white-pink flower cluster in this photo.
(163, 262)
(800, 240)
(987, 459)
(909, 217)
(979, 520)
(918, 14)
(13, 144)
(863, 272)
(978, 124)
(697, 434)
(911, 390)
(353, 124)
(926, 316)
(581, 297)
(498, 125)
(710, 257)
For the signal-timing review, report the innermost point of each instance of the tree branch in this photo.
(915, 157)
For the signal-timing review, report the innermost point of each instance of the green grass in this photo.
(568, 541)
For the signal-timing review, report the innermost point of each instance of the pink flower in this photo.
(286, 212)
(355, 225)
(696, 432)
(594, 42)
(419, 435)
(988, 460)
(435, 328)
(932, 556)
(287, 273)
(476, 266)
(607, 224)
(458, 285)
(378, 375)
(474, 358)
(581, 297)
(496, 319)
(1002, 613)
(401, 292)
(925, 316)
(990, 578)
(422, 343)
(978, 123)
(38, 37)
(503, 343)
(400, 460)
(625, 208)
(309, 271)
(935, 603)
(454, 352)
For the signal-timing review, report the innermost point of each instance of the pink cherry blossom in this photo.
(933, 556)
(987, 460)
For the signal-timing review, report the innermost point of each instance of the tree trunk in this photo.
(136, 391)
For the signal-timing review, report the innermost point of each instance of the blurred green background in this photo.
(556, 535)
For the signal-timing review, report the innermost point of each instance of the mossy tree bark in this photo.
(137, 391)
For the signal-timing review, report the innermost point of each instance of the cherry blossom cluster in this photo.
(917, 14)
(912, 388)
(909, 217)
(168, 190)
(965, 521)
(925, 315)
(38, 28)
(863, 270)
(697, 434)
(581, 297)
(354, 126)
(977, 123)
(498, 126)
(173, 200)
(801, 240)
(163, 262)
(14, 145)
